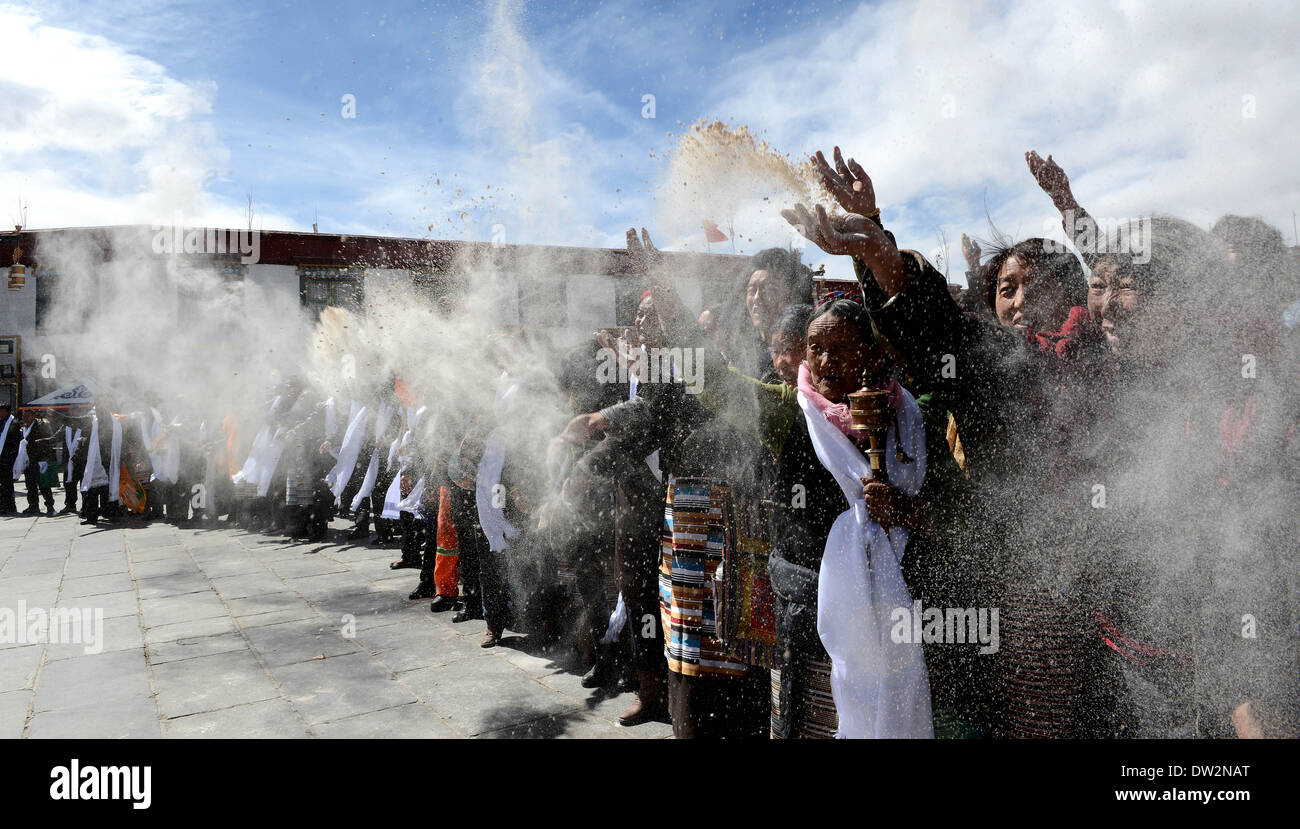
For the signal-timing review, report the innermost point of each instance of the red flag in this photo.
(711, 232)
(403, 394)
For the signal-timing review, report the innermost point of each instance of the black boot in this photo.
(469, 611)
(296, 521)
(425, 590)
(603, 672)
(442, 604)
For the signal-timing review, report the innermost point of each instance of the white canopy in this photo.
(80, 393)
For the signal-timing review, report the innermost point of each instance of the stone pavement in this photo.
(217, 633)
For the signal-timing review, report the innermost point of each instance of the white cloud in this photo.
(99, 135)
(1140, 102)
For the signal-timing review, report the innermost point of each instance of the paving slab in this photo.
(118, 677)
(324, 690)
(250, 584)
(189, 647)
(13, 713)
(217, 633)
(410, 721)
(291, 642)
(482, 695)
(190, 607)
(210, 683)
(120, 633)
(74, 588)
(268, 719)
(18, 667)
(174, 585)
(193, 628)
(137, 719)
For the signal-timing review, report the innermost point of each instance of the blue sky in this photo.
(528, 116)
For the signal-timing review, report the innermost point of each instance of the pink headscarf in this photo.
(838, 413)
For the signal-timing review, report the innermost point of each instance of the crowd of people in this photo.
(1081, 521)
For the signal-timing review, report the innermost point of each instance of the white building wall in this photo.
(18, 308)
(590, 305)
(278, 282)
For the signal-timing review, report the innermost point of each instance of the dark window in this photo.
(322, 286)
(75, 299)
(46, 283)
(435, 287)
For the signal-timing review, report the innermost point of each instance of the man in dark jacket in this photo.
(40, 456)
(643, 445)
(11, 434)
(75, 436)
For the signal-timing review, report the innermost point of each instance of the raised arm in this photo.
(858, 234)
(1078, 225)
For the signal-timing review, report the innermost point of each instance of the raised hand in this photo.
(643, 253)
(853, 236)
(1052, 179)
(839, 236)
(848, 183)
(970, 250)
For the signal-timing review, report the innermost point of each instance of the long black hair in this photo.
(1042, 256)
(786, 266)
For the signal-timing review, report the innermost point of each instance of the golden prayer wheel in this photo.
(872, 416)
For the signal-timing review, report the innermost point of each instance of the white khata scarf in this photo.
(349, 451)
(270, 459)
(331, 418)
(171, 459)
(353, 408)
(274, 448)
(881, 688)
(95, 474)
(149, 435)
(4, 435)
(20, 462)
(70, 440)
(414, 502)
(487, 497)
(249, 470)
(372, 471)
(404, 451)
(209, 470)
(395, 504)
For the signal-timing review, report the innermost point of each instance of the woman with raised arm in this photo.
(1211, 433)
(1083, 567)
(1006, 393)
(840, 671)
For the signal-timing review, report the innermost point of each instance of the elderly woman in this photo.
(1100, 548)
(809, 498)
(1006, 395)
